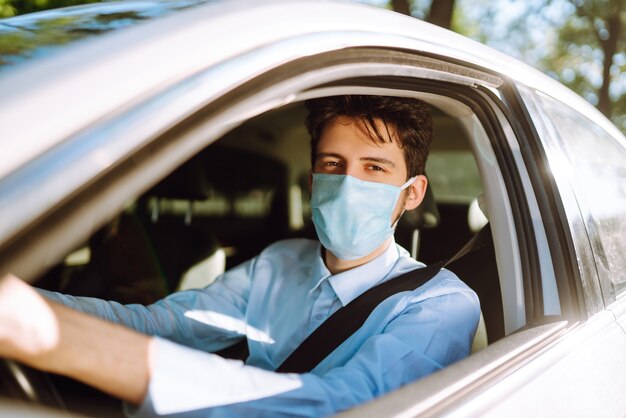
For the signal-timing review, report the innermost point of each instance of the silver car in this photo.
(127, 126)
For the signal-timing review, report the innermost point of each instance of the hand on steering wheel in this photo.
(27, 384)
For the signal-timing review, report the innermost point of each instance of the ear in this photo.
(310, 182)
(416, 192)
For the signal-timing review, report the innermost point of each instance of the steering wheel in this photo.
(25, 383)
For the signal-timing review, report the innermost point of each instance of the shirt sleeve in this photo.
(425, 337)
(207, 319)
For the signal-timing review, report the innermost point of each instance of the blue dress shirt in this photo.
(276, 300)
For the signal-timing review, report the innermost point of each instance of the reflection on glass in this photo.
(596, 168)
(34, 36)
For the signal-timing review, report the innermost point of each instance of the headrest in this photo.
(189, 182)
(476, 214)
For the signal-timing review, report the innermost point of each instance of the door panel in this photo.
(581, 374)
(619, 310)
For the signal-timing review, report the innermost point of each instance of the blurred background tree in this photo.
(581, 43)
(589, 55)
(438, 12)
(6, 8)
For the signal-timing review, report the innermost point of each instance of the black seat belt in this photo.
(348, 319)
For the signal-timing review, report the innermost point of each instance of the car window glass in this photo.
(595, 163)
(453, 175)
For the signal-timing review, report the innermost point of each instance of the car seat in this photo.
(480, 272)
(188, 253)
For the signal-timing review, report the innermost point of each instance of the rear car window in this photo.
(595, 163)
(454, 176)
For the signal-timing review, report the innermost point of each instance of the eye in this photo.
(375, 168)
(330, 164)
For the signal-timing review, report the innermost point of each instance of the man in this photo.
(368, 158)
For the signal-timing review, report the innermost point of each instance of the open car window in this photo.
(249, 189)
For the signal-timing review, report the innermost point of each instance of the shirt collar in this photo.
(319, 272)
(350, 284)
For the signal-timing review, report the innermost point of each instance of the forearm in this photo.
(107, 356)
(54, 338)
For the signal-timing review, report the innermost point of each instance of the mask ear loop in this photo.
(408, 183)
(402, 188)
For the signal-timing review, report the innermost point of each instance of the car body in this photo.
(107, 132)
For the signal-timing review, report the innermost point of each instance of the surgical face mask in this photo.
(352, 217)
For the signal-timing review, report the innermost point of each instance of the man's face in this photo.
(345, 147)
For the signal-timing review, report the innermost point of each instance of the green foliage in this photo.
(20, 43)
(9, 8)
(577, 58)
(6, 9)
(567, 39)
(30, 6)
(49, 33)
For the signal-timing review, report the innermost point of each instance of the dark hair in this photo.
(410, 118)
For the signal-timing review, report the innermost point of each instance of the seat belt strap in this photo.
(347, 320)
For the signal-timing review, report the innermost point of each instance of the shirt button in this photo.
(319, 316)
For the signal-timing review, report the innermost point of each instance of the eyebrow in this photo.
(327, 154)
(379, 160)
(368, 159)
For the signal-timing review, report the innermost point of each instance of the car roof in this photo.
(138, 61)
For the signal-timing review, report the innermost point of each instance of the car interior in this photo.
(249, 188)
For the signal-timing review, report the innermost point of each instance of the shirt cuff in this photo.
(183, 379)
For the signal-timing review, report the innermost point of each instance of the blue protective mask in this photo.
(352, 217)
